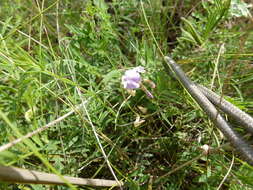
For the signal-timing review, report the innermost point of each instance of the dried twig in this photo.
(98, 141)
(229, 170)
(28, 135)
(17, 175)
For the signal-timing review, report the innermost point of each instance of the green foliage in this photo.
(48, 49)
(198, 31)
(239, 9)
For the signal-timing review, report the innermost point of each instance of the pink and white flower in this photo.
(132, 80)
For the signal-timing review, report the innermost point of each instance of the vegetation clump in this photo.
(60, 57)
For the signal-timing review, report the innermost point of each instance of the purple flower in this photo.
(132, 78)
(149, 94)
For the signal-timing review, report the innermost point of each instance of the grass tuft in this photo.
(55, 54)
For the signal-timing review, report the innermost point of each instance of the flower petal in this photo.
(139, 69)
(132, 78)
(132, 75)
(131, 85)
(149, 94)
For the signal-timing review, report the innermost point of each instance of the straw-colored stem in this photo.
(17, 175)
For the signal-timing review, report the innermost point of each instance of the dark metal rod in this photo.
(240, 116)
(236, 140)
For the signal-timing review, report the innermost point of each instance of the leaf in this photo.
(239, 8)
(111, 75)
(192, 32)
(215, 15)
